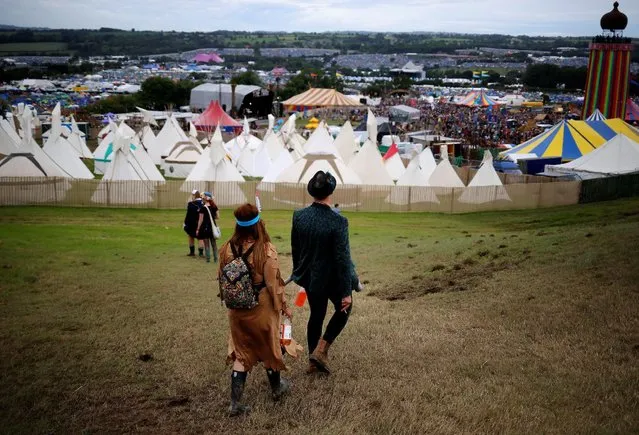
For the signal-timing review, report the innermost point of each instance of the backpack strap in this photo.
(256, 287)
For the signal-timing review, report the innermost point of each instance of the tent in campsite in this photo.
(104, 152)
(116, 186)
(77, 139)
(170, 134)
(478, 99)
(618, 156)
(370, 168)
(283, 161)
(393, 162)
(181, 159)
(319, 97)
(346, 143)
(607, 129)
(239, 142)
(427, 163)
(596, 116)
(486, 186)
(413, 177)
(321, 155)
(254, 160)
(214, 166)
(213, 116)
(444, 175)
(9, 139)
(403, 113)
(273, 144)
(62, 152)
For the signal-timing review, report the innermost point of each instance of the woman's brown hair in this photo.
(255, 232)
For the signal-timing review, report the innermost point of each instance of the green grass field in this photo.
(34, 47)
(506, 322)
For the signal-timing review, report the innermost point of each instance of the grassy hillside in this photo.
(509, 322)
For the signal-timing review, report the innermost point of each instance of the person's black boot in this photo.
(238, 379)
(191, 251)
(279, 386)
(200, 251)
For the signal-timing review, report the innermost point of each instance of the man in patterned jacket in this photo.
(322, 265)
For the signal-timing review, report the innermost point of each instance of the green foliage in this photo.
(311, 78)
(547, 76)
(114, 104)
(247, 78)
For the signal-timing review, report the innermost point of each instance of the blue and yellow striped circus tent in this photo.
(573, 139)
(478, 99)
(563, 140)
(610, 128)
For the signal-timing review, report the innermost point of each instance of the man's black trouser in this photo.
(318, 302)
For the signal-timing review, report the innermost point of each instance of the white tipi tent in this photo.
(77, 139)
(169, 135)
(618, 156)
(283, 161)
(273, 144)
(393, 162)
(346, 143)
(413, 177)
(427, 162)
(368, 165)
(321, 155)
(116, 186)
(104, 152)
(215, 166)
(62, 152)
(444, 175)
(9, 139)
(181, 159)
(486, 186)
(254, 161)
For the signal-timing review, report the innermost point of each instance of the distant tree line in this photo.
(548, 76)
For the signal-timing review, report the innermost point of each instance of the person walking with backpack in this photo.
(252, 289)
(206, 226)
(323, 266)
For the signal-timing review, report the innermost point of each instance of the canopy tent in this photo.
(215, 116)
(565, 140)
(596, 116)
(369, 167)
(403, 113)
(486, 186)
(618, 156)
(393, 162)
(319, 97)
(632, 111)
(346, 143)
(478, 99)
(207, 58)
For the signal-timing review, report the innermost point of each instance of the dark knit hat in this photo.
(321, 185)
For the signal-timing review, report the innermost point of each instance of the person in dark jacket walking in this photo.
(191, 222)
(322, 265)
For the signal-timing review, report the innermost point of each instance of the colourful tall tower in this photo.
(609, 68)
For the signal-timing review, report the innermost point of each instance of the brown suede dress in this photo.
(255, 333)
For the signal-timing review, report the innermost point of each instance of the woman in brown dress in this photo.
(255, 332)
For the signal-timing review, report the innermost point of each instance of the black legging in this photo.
(318, 302)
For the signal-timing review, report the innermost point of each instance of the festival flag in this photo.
(337, 74)
(476, 74)
(484, 74)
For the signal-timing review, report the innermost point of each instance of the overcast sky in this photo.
(517, 17)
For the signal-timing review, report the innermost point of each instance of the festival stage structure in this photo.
(607, 82)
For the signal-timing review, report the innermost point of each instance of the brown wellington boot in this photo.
(312, 368)
(320, 356)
